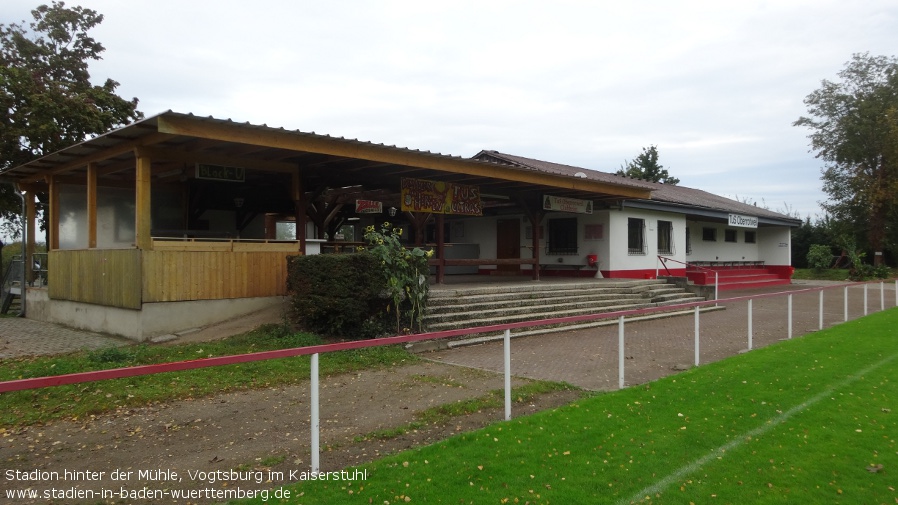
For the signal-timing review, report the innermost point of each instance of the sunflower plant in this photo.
(404, 270)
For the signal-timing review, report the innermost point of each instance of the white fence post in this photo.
(821, 309)
(789, 309)
(620, 352)
(882, 295)
(507, 375)
(716, 287)
(696, 335)
(846, 303)
(749, 323)
(315, 424)
(865, 299)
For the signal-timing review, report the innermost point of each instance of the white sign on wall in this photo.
(743, 221)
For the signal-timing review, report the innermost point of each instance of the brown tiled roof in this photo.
(672, 194)
(559, 169)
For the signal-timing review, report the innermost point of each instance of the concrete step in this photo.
(731, 286)
(502, 319)
(535, 311)
(544, 287)
(515, 303)
(450, 305)
(542, 330)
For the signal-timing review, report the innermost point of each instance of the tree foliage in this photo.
(647, 168)
(854, 130)
(46, 89)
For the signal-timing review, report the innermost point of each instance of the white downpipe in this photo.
(749, 323)
(507, 375)
(620, 352)
(315, 425)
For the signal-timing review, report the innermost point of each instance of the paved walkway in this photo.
(27, 337)
(21, 337)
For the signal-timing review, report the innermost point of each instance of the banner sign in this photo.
(419, 195)
(743, 221)
(220, 173)
(567, 204)
(368, 207)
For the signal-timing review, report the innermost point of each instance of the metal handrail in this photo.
(664, 261)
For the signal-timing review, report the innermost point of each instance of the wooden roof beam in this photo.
(283, 139)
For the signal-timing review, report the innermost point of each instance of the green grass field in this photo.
(810, 420)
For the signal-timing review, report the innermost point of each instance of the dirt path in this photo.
(249, 431)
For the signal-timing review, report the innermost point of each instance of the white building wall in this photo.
(620, 258)
(720, 249)
(772, 244)
(775, 245)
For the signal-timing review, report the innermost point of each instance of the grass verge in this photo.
(442, 414)
(810, 420)
(78, 400)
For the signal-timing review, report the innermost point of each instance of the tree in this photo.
(647, 168)
(854, 130)
(46, 90)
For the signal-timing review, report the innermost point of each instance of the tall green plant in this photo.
(405, 272)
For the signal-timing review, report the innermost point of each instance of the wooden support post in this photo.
(299, 204)
(143, 208)
(441, 249)
(419, 222)
(535, 219)
(91, 205)
(30, 231)
(535, 214)
(53, 218)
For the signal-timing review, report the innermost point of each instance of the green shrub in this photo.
(820, 257)
(338, 294)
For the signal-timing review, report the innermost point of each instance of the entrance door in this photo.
(508, 244)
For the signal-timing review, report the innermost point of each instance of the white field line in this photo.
(683, 471)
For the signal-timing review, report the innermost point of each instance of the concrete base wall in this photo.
(140, 325)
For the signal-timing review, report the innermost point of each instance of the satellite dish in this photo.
(580, 175)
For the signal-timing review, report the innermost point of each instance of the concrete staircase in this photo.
(733, 278)
(510, 303)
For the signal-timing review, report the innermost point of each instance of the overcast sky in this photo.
(715, 85)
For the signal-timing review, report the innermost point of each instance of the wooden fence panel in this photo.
(110, 277)
(174, 275)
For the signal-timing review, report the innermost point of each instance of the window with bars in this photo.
(562, 236)
(688, 242)
(635, 236)
(665, 237)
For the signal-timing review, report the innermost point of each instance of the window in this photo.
(750, 237)
(688, 242)
(729, 235)
(709, 234)
(635, 236)
(562, 236)
(665, 237)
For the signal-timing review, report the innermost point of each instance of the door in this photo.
(508, 244)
